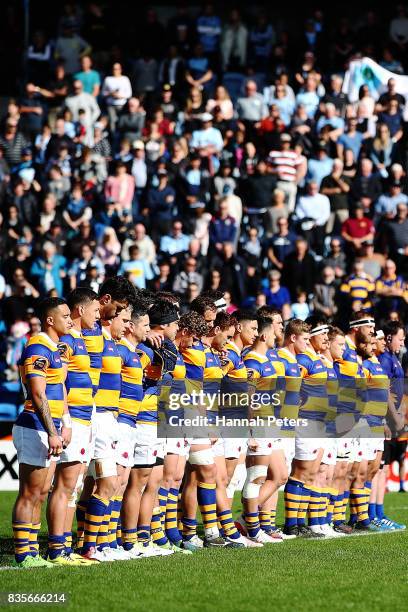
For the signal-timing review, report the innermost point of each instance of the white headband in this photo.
(379, 334)
(320, 329)
(361, 322)
(221, 304)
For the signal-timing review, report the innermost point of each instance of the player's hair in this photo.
(333, 332)
(391, 328)
(316, 320)
(119, 288)
(48, 305)
(224, 320)
(245, 315)
(296, 327)
(201, 304)
(214, 294)
(170, 297)
(194, 324)
(263, 324)
(138, 310)
(360, 314)
(144, 297)
(80, 296)
(161, 310)
(268, 312)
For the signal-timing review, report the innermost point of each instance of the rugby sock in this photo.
(94, 516)
(303, 506)
(371, 512)
(346, 496)
(116, 505)
(333, 494)
(143, 534)
(33, 539)
(180, 512)
(119, 533)
(228, 528)
(338, 509)
(80, 517)
(162, 495)
(363, 517)
(170, 522)
(265, 520)
(102, 540)
(402, 489)
(273, 519)
(21, 536)
(68, 542)
(379, 511)
(293, 498)
(189, 528)
(129, 537)
(56, 546)
(158, 535)
(252, 523)
(314, 506)
(324, 504)
(358, 506)
(208, 508)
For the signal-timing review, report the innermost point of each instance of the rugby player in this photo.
(40, 434)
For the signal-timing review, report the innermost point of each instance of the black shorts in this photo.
(394, 450)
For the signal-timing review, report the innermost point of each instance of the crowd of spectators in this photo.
(220, 156)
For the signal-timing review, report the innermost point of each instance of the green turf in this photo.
(362, 573)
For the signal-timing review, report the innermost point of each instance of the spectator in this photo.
(48, 270)
(261, 39)
(299, 269)
(116, 90)
(325, 294)
(222, 228)
(309, 97)
(136, 268)
(397, 234)
(81, 265)
(12, 142)
(357, 229)
(176, 243)
(86, 103)
(198, 70)
(320, 166)
(90, 79)
(350, 139)
(358, 288)
(209, 30)
(286, 164)
(281, 244)
(233, 271)
(69, 48)
(313, 211)
(222, 101)
(381, 150)
(160, 203)
(120, 189)
(234, 42)
(300, 308)
(278, 296)
(330, 118)
(132, 121)
(188, 276)
(147, 249)
(251, 108)
(386, 205)
(278, 211)
(372, 261)
(391, 94)
(391, 289)
(366, 187)
(336, 186)
(393, 119)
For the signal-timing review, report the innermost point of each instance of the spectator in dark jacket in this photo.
(233, 272)
(222, 229)
(366, 187)
(160, 205)
(299, 269)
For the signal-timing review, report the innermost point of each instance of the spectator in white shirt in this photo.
(116, 90)
(86, 102)
(313, 210)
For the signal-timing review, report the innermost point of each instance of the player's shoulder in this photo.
(40, 344)
(96, 330)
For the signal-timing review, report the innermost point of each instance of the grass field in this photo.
(364, 573)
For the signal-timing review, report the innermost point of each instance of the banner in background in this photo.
(8, 466)
(366, 71)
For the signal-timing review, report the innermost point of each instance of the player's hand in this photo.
(213, 440)
(66, 435)
(54, 445)
(253, 445)
(156, 338)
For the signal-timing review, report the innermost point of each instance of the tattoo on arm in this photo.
(45, 414)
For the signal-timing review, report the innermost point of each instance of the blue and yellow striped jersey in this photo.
(176, 387)
(349, 371)
(234, 382)
(332, 394)
(78, 381)
(107, 396)
(293, 382)
(94, 345)
(131, 389)
(263, 379)
(376, 405)
(360, 289)
(394, 282)
(314, 402)
(213, 376)
(41, 358)
(194, 360)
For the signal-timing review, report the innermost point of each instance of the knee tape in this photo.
(102, 468)
(201, 457)
(251, 489)
(76, 492)
(237, 480)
